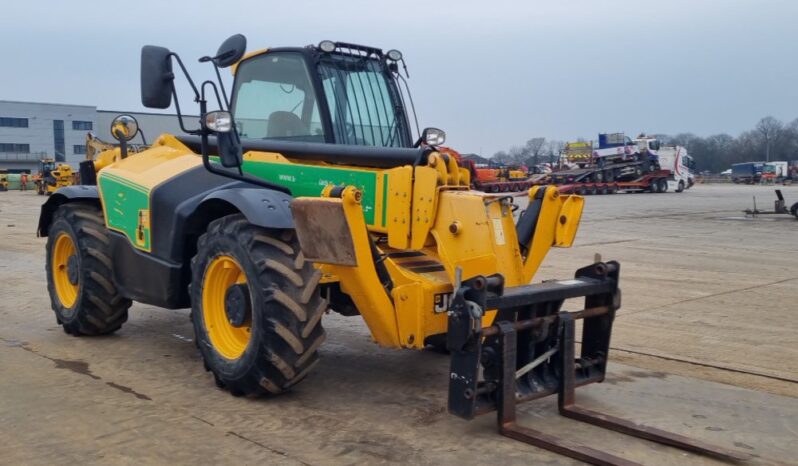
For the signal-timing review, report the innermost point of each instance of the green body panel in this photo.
(309, 180)
(124, 204)
(127, 205)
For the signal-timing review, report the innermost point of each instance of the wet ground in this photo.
(706, 344)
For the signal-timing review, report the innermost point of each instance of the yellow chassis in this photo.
(449, 230)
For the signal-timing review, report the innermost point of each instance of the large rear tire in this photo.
(79, 271)
(256, 307)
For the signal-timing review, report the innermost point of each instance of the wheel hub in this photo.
(73, 269)
(237, 305)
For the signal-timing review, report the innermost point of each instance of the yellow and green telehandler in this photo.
(306, 191)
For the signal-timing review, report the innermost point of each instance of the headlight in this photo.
(394, 55)
(433, 136)
(327, 46)
(219, 121)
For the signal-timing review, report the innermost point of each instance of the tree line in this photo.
(770, 140)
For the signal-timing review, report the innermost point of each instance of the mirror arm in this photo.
(206, 162)
(188, 76)
(221, 86)
(215, 91)
(122, 145)
(180, 114)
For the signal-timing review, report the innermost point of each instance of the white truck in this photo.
(673, 159)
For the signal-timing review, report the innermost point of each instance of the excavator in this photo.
(307, 191)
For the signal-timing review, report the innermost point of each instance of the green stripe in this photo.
(310, 180)
(125, 182)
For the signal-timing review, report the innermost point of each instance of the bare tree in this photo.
(517, 154)
(769, 130)
(501, 157)
(534, 148)
(554, 149)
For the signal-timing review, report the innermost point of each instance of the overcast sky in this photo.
(490, 73)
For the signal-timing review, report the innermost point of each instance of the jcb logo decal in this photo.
(442, 302)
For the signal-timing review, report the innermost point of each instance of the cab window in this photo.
(274, 99)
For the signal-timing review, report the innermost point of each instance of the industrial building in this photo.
(31, 131)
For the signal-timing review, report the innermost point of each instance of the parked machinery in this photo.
(316, 208)
(53, 176)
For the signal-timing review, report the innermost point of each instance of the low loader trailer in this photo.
(262, 219)
(655, 182)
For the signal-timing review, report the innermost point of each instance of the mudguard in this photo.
(261, 207)
(63, 196)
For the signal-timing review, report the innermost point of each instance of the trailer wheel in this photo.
(794, 210)
(680, 188)
(654, 186)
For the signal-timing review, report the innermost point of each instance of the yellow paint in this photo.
(155, 165)
(425, 185)
(229, 341)
(361, 282)
(400, 187)
(66, 291)
(247, 56)
(557, 225)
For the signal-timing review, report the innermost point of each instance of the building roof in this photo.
(46, 103)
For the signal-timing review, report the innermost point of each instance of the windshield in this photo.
(364, 102)
(274, 99)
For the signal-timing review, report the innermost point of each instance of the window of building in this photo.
(58, 140)
(14, 122)
(16, 148)
(79, 149)
(82, 125)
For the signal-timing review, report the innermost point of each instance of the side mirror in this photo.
(156, 77)
(433, 136)
(220, 123)
(231, 51)
(124, 128)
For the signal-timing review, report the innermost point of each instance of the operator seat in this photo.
(285, 124)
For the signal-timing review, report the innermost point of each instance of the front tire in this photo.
(79, 271)
(256, 307)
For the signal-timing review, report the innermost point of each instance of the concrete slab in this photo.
(693, 303)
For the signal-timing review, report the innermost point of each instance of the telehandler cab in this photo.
(305, 192)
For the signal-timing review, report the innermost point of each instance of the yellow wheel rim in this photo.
(66, 290)
(228, 340)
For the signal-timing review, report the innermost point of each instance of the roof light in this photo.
(394, 55)
(327, 46)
